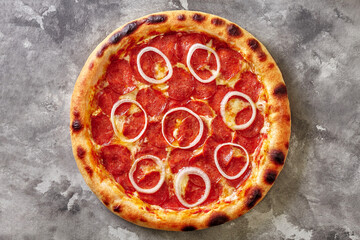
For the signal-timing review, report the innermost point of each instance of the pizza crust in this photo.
(272, 154)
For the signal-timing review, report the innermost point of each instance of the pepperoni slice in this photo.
(232, 165)
(149, 62)
(215, 192)
(255, 128)
(146, 179)
(243, 116)
(123, 109)
(249, 85)
(153, 101)
(221, 132)
(209, 148)
(215, 101)
(201, 62)
(154, 135)
(101, 129)
(239, 181)
(116, 160)
(203, 138)
(200, 108)
(230, 62)
(148, 149)
(178, 159)
(204, 90)
(194, 189)
(181, 84)
(182, 127)
(172, 202)
(206, 164)
(169, 45)
(174, 104)
(187, 131)
(250, 144)
(187, 40)
(106, 99)
(133, 125)
(225, 155)
(120, 76)
(157, 198)
(171, 123)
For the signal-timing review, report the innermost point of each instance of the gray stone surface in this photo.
(43, 45)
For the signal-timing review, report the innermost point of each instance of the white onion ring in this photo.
(168, 64)
(115, 106)
(177, 185)
(222, 110)
(198, 137)
(218, 165)
(192, 49)
(162, 175)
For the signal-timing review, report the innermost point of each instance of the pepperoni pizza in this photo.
(180, 121)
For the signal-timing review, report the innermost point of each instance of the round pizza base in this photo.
(272, 154)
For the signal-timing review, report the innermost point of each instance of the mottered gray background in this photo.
(43, 46)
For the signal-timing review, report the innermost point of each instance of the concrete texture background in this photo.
(43, 46)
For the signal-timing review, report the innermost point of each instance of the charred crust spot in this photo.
(252, 197)
(270, 176)
(253, 44)
(218, 219)
(125, 31)
(100, 53)
(76, 114)
(89, 171)
(287, 145)
(91, 65)
(234, 30)
(153, 19)
(117, 209)
(76, 125)
(277, 156)
(181, 17)
(80, 152)
(262, 56)
(287, 118)
(198, 17)
(280, 90)
(271, 65)
(188, 228)
(217, 21)
(106, 202)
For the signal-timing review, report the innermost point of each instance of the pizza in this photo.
(180, 121)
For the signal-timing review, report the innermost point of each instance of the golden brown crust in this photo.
(272, 154)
